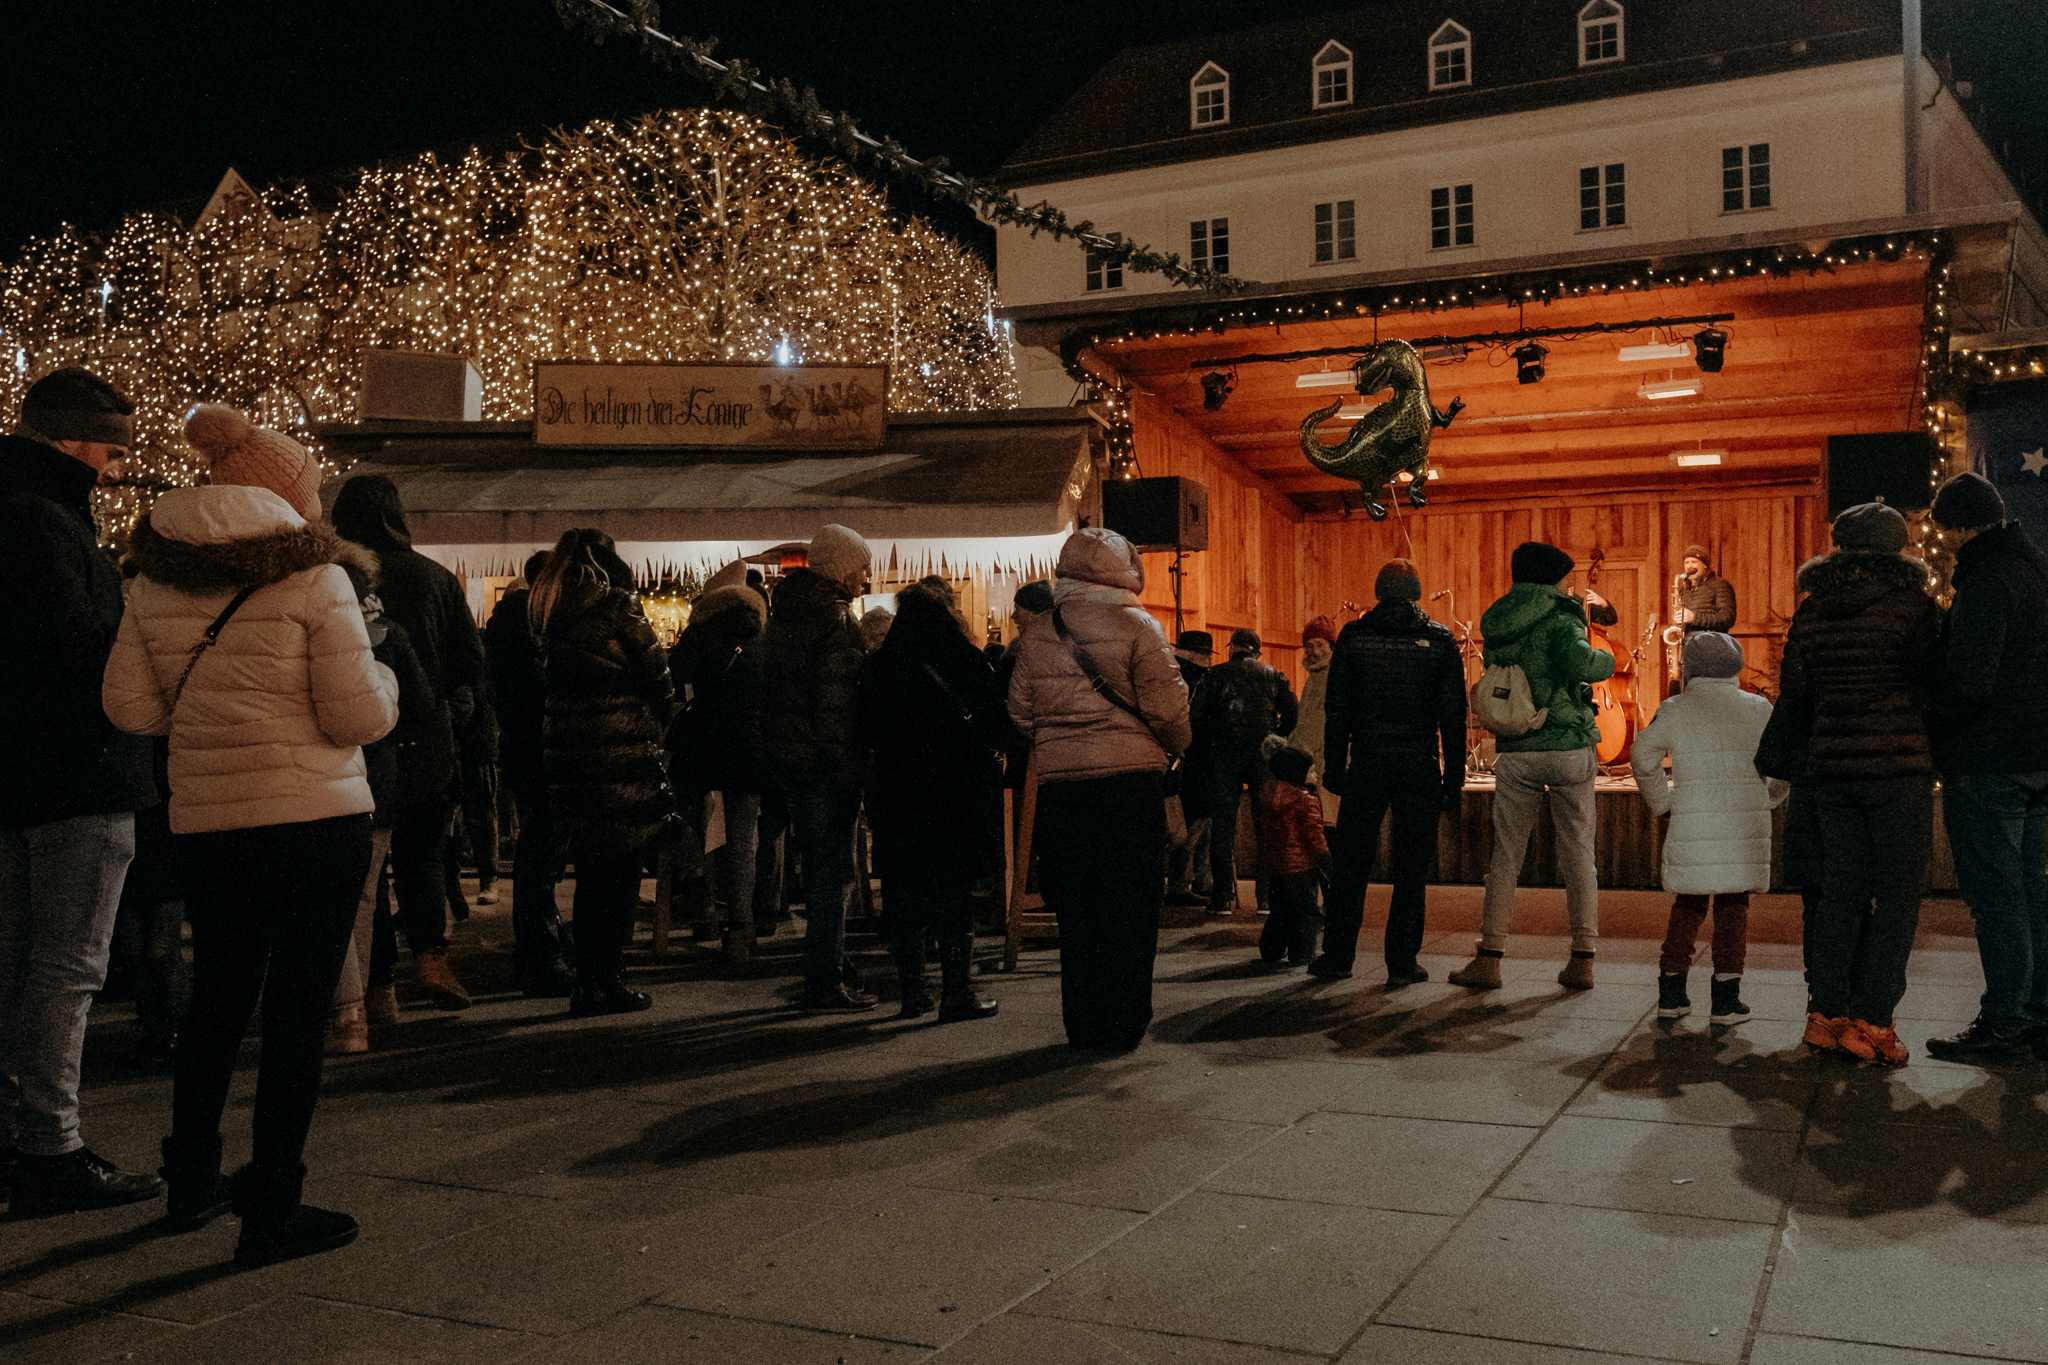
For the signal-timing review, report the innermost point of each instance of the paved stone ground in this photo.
(1288, 1171)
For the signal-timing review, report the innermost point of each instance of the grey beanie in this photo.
(1870, 526)
(77, 405)
(1712, 654)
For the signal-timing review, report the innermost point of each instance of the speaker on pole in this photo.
(1158, 514)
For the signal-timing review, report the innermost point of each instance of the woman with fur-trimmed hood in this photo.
(1852, 720)
(244, 643)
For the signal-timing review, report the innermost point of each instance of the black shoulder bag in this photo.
(205, 642)
(1116, 699)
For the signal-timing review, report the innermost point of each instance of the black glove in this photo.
(1333, 782)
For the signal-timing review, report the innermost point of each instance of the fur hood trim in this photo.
(1860, 571)
(230, 565)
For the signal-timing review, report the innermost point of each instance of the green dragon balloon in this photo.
(1392, 437)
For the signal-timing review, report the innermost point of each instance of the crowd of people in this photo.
(272, 730)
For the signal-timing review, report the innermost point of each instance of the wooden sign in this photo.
(808, 407)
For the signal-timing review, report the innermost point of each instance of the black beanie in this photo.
(1290, 764)
(77, 405)
(1968, 502)
(1536, 562)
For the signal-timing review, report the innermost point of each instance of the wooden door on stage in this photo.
(1627, 578)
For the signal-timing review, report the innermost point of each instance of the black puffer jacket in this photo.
(60, 757)
(1858, 664)
(609, 704)
(417, 593)
(1711, 602)
(414, 764)
(930, 725)
(810, 662)
(518, 686)
(1991, 707)
(1397, 686)
(716, 744)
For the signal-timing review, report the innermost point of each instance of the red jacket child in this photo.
(1291, 828)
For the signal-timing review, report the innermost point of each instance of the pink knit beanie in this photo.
(237, 451)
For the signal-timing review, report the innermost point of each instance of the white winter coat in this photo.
(270, 727)
(1720, 835)
(1074, 732)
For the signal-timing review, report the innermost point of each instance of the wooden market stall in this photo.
(1825, 339)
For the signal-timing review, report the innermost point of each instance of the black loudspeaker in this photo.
(1158, 514)
(1892, 465)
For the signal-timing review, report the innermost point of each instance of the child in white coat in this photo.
(1718, 847)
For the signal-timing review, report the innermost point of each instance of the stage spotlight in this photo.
(1529, 358)
(1711, 349)
(1215, 390)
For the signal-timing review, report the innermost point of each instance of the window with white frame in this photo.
(1746, 177)
(1209, 244)
(1104, 272)
(1450, 56)
(1450, 216)
(1337, 231)
(1209, 97)
(1331, 76)
(1600, 38)
(1603, 196)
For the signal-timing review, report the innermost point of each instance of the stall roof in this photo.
(1015, 472)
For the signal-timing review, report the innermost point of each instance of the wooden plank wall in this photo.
(1758, 538)
(1269, 568)
(1249, 575)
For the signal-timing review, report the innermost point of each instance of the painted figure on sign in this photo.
(1390, 439)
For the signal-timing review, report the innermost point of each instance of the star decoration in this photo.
(2035, 462)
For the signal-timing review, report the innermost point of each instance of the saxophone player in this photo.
(1706, 601)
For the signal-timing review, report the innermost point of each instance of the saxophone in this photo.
(1674, 634)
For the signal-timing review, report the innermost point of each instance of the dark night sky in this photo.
(112, 105)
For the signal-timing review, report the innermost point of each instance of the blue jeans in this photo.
(1998, 828)
(60, 884)
(824, 831)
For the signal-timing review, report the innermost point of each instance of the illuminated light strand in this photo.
(688, 235)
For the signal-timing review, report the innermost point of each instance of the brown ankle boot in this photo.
(1578, 971)
(438, 979)
(1482, 973)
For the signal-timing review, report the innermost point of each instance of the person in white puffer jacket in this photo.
(269, 797)
(1717, 850)
(1101, 764)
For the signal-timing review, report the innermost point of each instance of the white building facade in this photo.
(1484, 161)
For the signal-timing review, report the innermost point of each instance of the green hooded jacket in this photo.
(1543, 631)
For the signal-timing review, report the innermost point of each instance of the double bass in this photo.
(1615, 706)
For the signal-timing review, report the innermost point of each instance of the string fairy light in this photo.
(689, 235)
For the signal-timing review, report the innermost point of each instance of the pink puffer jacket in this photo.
(269, 729)
(1074, 732)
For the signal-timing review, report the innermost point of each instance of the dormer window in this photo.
(1600, 38)
(1331, 76)
(1450, 56)
(1209, 97)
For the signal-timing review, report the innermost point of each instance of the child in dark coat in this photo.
(1294, 856)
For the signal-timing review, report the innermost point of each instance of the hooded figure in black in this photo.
(929, 728)
(609, 704)
(428, 602)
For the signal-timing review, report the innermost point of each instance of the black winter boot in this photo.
(908, 951)
(199, 1193)
(275, 1225)
(1672, 1001)
(1728, 1007)
(957, 999)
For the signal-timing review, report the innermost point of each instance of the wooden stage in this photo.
(1628, 842)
